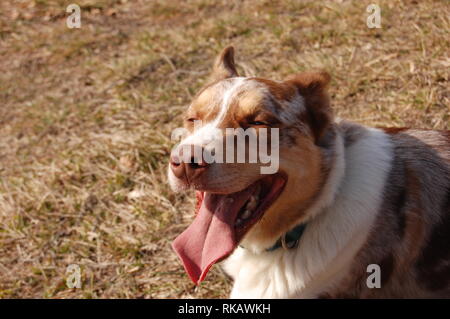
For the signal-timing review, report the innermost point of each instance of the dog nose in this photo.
(189, 169)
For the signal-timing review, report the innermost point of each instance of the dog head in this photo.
(255, 201)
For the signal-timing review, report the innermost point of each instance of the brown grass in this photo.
(86, 116)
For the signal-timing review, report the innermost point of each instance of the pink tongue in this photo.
(211, 236)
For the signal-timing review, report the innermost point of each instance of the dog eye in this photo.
(258, 123)
(191, 119)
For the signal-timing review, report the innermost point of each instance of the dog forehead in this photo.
(213, 94)
(221, 98)
(244, 96)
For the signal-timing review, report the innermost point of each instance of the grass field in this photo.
(86, 116)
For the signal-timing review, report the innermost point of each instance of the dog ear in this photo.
(312, 86)
(224, 67)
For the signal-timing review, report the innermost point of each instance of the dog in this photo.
(352, 211)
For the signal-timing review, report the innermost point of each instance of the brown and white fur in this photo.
(368, 195)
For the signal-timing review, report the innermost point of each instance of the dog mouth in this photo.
(221, 221)
(264, 193)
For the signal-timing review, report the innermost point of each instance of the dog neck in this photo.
(332, 146)
(333, 155)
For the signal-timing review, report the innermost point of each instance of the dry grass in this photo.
(86, 115)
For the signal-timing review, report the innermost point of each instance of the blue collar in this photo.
(290, 239)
